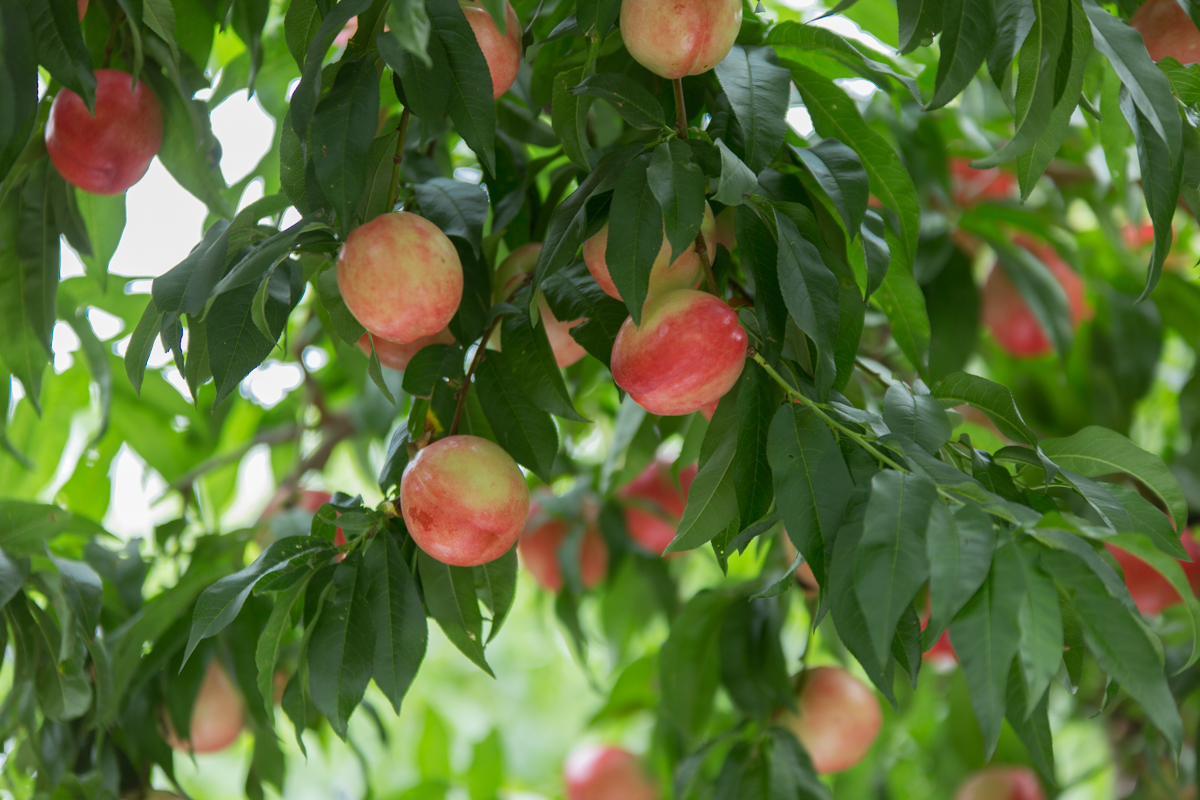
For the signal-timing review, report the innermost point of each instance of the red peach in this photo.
(279, 682)
(685, 272)
(501, 50)
(311, 501)
(655, 504)
(464, 500)
(509, 274)
(111, 151)
(723, 230)
(688, 352)
(217, 716)
(838, 720)
(1010, 319)
(1001, 783)
(971, 185)
(395, 355)
(942, 655)
(683, 37)
(708, 410)
(539, 546)
(83, 7)
(400, 276)
(1151, 592)
(1167, 31)
(346, 33)
(595, 772)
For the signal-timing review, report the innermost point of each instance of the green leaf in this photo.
(190, 151)
(757, 400)
(636, 223)
(810, 292)
(19, 108)
(917, 415)
(308, 92)
(521, 428)
(1162, 174)
(401, 632)
(104, 218)
(758, 90)
(759, 252)
(60, 48)
(986, 636)
(736, 182)
(1146, 519)
(1041, 625)
(569, 116)
(470, 105)
(530, 361)
(38, 253)
(341, 653)
(83, 590)
(594, 18)
(458, 208)
(425, 75)
(989, 397)
(840, 174)
(343, 126)
(968, 35)
(689, 663)
(629, 98)
(235, 345)
(573, 294)
(960, 547)
(11, 579)
(678, 185)
(753, 667)
(62, 686)
(712, 503)
(902, 301)
(450, 597)
(1030, 721)
(496, 581)
(1095, 451)
(409, 24)
(266, 653)
(21, 350)
(1172, 571)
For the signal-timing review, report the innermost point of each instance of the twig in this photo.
(702, 253)
(680, 110)
(401, 129)
(272, 436)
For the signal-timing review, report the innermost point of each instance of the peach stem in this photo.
(401, 129)
(680, 110)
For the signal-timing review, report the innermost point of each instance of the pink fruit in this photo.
(400, 276)
(685, 272)
(1010, 319)
(502, 50)
(688, 352)
(1001, 783)
(1167, 31)
(970, 185)
(217, 716)
(654, 505)
(595, 772)
(509, 275)
(111, 151)
(539, 546)
(838, 720)
(395, 355)
(680, 37)
(1151, 592)
(464, 500)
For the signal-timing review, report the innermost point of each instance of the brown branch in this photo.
(702, 253)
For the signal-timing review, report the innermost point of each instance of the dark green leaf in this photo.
(637, 225)
(839, 171)
(341, 652)
(678, 185)
(689, 663)
(450, 596)
(458, 208)
(917, 415)
(631, 100)
(810, 291)
(758, 90)
(343, 126)
(968, 35)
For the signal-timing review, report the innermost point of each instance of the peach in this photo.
(838, 720)
(723, 230)
(396, 355)
(111, 151)
(680, 37)
(804, 574)
(708, 410)
(688, 352)
(1151, 592)
(654, 504)
(539, 546)
(1167, 31)
(400, 276)
(1001, 783)
(596, 772)
(311, 501)
(509, 275)
(685, 272)
(971, 185)
(464, 500)
(83, 7)
(502, 50)
(217, 716)
(1010, 319)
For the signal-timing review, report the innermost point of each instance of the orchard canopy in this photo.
(689, 399)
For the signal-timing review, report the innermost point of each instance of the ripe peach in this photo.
(346, 33)
(502, 50)
(595, 772)
(217, 716)
(396, 355)
(1168, 31)
(838, 719)
(682, 37)
(710, 409)
(654, 504)
(723, 231)
(1012, 322)
(111, 151)
(1149, 589)
(83, 6)
(464, 500)
(688, 352)
(400, 276)
(539, 546)
(971, 185)
(520, 263)
(685, 272)
(1001, 783)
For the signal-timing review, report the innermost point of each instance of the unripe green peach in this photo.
(685, 272)
(514, 269)
(400, 276)
(838, 718)
(674, 38)
(396, 355)
(464, 500)
(502, 50)
(688, 352)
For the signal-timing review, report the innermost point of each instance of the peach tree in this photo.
(884, 311)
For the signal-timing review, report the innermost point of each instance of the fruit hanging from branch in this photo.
(682, 37)
(654, 503)
(502, 50)
(512, 272)
(685, 272)
(598, 772)
(837, 718)
(217, 715)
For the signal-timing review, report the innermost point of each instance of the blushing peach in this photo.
(685, 272)
(520, 263)
(1167, 31)
(708, 410)
(502, 50)
(1010, 319)
(539, 546)
(838, 718)
(680, 37)
(1001, 783)
(654, 504)
(464, 500)
(688, 352)
(970, 185)
(395, 355)
(111, 151)
(400, 276)
(82, 6)
(1151, 592)
(595, 772)
(217, 716)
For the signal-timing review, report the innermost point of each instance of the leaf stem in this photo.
(401, 129)
(680, 110)
(850, 433)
